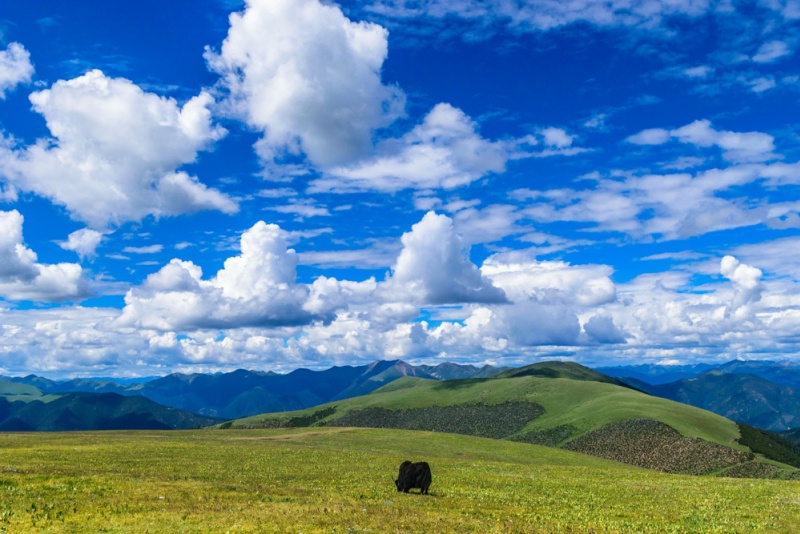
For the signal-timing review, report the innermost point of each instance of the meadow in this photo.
(341, 480)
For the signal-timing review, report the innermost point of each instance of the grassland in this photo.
(340, 480)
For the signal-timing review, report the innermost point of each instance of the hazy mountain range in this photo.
(762, 394)
(242, 393)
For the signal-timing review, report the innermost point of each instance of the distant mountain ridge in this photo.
(25, 410)
(745, 398)
(786, 373)
(242, 393)
(756, 393)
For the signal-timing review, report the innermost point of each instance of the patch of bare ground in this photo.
(655, 445)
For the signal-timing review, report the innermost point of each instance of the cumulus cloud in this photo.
(115, 152)
(444, 151)
(84, 241)
(746, 282)
(23, 278)
(308, 78)
(15, 68)
(738, 147)
(257, 287)
(434, 267)
(532, 323)
(524, 278)
(600, 328)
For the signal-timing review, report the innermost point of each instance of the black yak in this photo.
(416, 475)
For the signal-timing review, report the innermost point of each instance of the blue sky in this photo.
(207, 185)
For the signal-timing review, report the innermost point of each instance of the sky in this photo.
(207, 185)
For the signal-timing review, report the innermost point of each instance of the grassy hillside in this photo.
(582, 405)
(555, 369)
(596, 418)
(340, 480)
(14, 391)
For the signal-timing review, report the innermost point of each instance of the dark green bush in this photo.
(769, 444)
(485, 420)
(654, 445)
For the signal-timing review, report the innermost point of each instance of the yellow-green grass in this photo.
(340, 480)
(584, 405)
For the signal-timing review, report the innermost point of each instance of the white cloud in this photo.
(444, 151)
(148, 249)
(84, 241)
(701, 71)
(524, 278)
(308, 78)
(771, 52)
(738, 147)
(759, 84)
(23, 278)
(303, 209)
(556, 137)
(547, 14)
(746, 282)
(255, 288)
(434, 267)
(115, 152)
(15, 68)
(651, 136)
(672, 206)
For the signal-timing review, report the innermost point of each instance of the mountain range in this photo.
(25, 408)
(761, 394)
(242, 393)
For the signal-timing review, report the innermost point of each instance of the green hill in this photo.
(555, 369)
(580, 414)
(14, 391)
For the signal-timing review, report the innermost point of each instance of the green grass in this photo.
(584, 405)
(340, 480)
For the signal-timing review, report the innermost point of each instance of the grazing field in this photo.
(340, 480)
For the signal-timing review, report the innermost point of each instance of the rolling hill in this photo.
(585, 413)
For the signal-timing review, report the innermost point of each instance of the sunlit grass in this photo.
(340, 480)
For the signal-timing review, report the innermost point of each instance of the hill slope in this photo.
(589, 416)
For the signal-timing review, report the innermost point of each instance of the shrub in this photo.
(770, 445)
(654, 445)
(485, 420)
